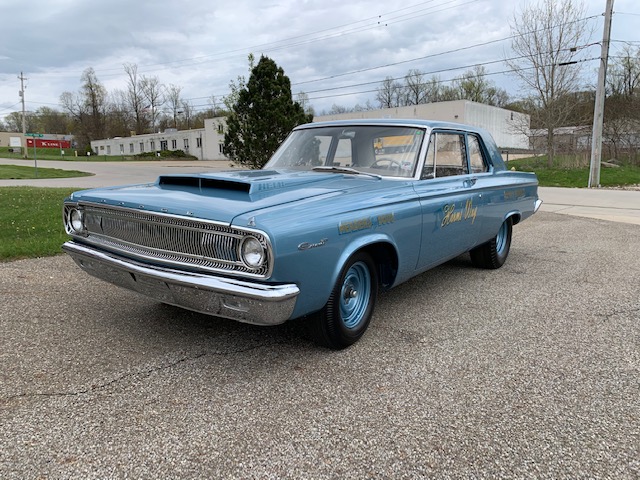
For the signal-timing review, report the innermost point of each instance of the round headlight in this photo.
(252, 252)
(75, 220)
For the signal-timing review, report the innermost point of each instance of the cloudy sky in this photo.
(336, 51)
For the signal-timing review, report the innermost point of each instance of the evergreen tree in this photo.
(262, 116)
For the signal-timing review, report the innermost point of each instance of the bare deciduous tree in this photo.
(135, 97)
(13, 122)
(152, 91)
(389, 93)
(87, 107)
(187, 112)
(414, 88)
(120, 120)
(433, 89)
(545, 41)
(473, 85)
(174, 102)
(303, 99)
(622, 110)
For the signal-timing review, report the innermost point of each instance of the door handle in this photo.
(470, 182)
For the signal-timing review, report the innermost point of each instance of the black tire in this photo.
(494, 253)
(347, 314)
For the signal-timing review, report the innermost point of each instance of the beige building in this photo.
(11, 139)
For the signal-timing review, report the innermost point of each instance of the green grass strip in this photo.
(20, 172)
(31, 221)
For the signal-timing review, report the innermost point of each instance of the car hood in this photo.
(222, 196)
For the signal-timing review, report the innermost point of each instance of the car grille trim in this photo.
(171, 239)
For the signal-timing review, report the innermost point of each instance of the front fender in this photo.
(358, 244)
(321, 268)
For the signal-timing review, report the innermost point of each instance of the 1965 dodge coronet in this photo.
(341, 211)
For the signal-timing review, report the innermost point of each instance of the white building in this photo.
(203, 143)
(509, 129)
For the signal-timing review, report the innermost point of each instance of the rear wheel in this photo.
(494, 253)
(347, 314)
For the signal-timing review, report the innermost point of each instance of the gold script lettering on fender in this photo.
(453, 214)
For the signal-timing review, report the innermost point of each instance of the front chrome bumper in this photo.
(248, 302)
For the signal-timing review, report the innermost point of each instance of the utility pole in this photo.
(24, 122)
(598, 112)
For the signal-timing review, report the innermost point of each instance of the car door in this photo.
(449, 198)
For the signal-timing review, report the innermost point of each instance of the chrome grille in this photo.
(170, 239)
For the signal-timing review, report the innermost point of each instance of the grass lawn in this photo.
(565, 176)
(31, 221)
(9, 172)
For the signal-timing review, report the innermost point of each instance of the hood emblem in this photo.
(252, 222)
(308, 246)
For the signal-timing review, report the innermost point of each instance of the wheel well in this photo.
(386, 259)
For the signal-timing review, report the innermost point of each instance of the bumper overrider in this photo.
(240, 300)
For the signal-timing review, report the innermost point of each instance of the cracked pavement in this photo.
(530, 371)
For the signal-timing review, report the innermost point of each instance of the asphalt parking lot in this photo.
(530, 371)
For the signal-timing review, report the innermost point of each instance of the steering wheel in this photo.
(387, 163)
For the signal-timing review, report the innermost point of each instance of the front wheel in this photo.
(494, 253)
(347, 314)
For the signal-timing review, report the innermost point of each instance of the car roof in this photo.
(413, 122)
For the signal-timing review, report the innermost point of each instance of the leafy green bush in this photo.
(166, 154)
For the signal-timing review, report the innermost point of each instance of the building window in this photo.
(174, 144)
(220, 128)
(199, 142)
(141, 147)
(186, 144)
(221, 147)
(131, 148)
(163, 145)
(108, 149)
(122, 149)
(152, 145)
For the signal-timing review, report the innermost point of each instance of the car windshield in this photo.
(384, 150)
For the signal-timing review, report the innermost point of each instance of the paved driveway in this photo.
(530, 371)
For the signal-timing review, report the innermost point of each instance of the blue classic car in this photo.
(341, 211)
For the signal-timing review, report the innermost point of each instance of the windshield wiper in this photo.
(345, 170)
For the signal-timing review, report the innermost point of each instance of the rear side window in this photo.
(476, 155)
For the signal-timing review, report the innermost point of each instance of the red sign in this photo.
(41, 143)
